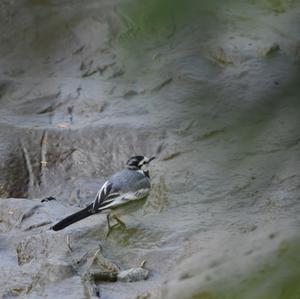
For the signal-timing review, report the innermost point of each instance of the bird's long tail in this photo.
(86, 212)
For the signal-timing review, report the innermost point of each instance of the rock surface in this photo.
(211, 89)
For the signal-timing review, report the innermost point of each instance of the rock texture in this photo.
(211, 89)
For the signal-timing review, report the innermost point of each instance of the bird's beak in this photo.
(152, 158)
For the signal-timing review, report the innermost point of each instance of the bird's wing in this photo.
(104, 196)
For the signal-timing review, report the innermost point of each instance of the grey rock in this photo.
(86, 84)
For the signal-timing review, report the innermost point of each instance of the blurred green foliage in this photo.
(145, 18)
(157, 17)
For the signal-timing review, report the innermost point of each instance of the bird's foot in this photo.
(119, 223)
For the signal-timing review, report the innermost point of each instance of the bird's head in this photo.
(137, 162)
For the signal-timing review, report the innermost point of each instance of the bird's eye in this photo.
(142, 162)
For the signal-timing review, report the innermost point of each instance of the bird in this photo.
(120, 193)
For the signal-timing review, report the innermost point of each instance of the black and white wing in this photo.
(104, 196)
(119, 189)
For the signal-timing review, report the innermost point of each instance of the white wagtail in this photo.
(122, 190)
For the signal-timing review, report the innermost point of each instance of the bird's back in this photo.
(129, 180)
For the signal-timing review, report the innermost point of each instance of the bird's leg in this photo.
(120, 222)
(108, 225)
(108, 221)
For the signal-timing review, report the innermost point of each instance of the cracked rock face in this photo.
(210, 89)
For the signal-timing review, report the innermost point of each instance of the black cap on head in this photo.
(138, 161)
